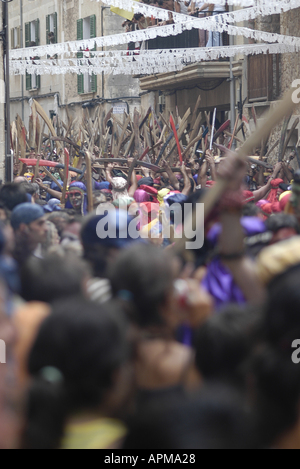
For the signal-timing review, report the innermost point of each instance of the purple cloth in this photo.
(101, 185)
(81, 186)
(220, 284)
(252, 226)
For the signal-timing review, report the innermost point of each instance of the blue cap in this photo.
(25, 213)
(52, 206)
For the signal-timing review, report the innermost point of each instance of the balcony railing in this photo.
(190, 39)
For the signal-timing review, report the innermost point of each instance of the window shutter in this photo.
(94, 83)
(28, 82)
(80, 79)
(47, 29)
(18, 37)
(27, 34)
(37, 32)
(80, 84)
(55, 27)
(38, 82)
(12, 38)
(93, 28)
(79, 30)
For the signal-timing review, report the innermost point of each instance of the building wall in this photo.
(68, 12)
(2, 118)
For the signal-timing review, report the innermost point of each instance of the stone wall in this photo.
(2, 118)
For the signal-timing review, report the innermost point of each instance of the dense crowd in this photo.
(118, 338)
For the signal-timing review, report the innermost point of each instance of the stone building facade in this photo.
(68, 20)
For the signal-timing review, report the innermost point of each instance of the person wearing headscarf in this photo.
(77, 198)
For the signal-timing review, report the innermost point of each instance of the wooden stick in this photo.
(50, 175)
(122, 135)
(44, 116)
(195, 116)
(283, 134)
(66, 173)
(273, 117)
(89, 182)
(234, 131)
(296, 122)
(272, 148)
(137, 145)
(233, 137)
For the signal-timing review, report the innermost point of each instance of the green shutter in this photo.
(55, 27)
(38, 82)
(47, 29)
(28, 82)
(12, 39)
(79, 30)
(80, 84)
(37, 32)
(93, 28)
(94, 83)
(80, 79)
(27, 34)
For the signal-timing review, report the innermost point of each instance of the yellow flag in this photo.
(124, 13)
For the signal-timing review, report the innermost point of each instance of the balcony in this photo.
(192, 75)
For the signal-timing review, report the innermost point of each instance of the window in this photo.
(32, 38)
(86, 29)
(15, 38)
(51, 29)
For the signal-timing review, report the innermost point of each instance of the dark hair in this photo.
(86, 345)
(224, 342)
(144, 273)
(276, 377)
(29, 188)
(282, 320)
(276, 389)
(215, 419)
(282, 220)
(250, 210)
(52, 278)
(97, 256)
(60, 220)
(12, 194)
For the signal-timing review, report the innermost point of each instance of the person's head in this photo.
(32, 189)
(143, 279)
(29, 224)
(60, 220)
(100, 248)
(20, 179)
(54, 277)
(78, 363)
(52, 238)
(283, 226)
(223, 342)
(12, 194)
(71, 231)
(77, 198)
(216, 418)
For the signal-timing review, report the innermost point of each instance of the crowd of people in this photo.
(121, 341)
(196, 9)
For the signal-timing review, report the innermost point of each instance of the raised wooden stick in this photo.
(89, 185)
(273, 117)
